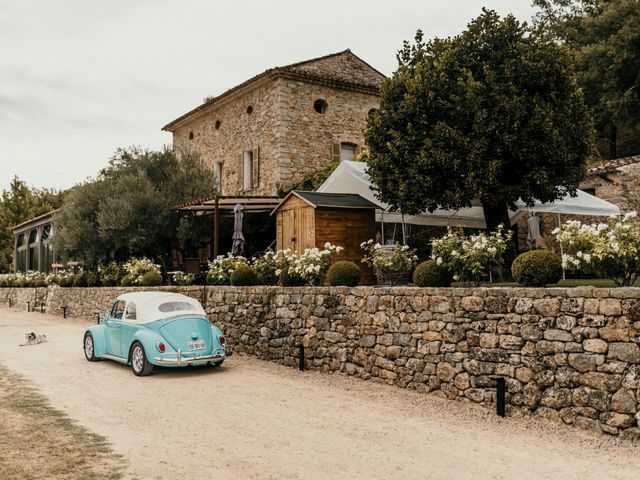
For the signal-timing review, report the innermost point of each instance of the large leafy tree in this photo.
(604, 39)
(127, 210)
(17, 204)
(493, 114)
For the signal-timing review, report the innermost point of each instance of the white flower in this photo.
(439, 261)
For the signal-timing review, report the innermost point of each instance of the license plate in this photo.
(199, 345)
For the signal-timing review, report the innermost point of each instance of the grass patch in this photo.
(38, 441)
(572, 282)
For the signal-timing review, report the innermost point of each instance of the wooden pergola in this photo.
(250, 204)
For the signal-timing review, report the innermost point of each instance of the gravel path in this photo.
(257, 420)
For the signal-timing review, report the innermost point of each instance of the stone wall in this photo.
(570, 355)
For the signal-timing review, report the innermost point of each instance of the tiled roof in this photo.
(294, 71)
(612, 165)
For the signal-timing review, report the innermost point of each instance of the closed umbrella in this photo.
(237, 247)
(533, 222)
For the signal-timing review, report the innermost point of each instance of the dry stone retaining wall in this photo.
(571, 355)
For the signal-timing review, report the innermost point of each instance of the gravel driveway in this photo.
(257, 420)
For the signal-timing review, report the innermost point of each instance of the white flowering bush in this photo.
(181, 278)
(221, 268)
(20, 279)
(136, 268)
(269, 266)
(470, 258)
(611, 249)
(312, 265)
(62, 278)
(392, 262)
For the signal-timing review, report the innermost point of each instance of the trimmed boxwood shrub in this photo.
(291, 279)
(344, 273)
(537, 268)
(243, 276)
(152, 278)
(127, 281)
(430, 274)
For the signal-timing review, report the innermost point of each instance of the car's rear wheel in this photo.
(89, 348)
(217, 364)
(139, 363)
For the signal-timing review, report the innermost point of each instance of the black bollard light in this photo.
(301, 357)
(64, 312)
(42, 308)
(28, 306)
(10, 302)
(500, 395)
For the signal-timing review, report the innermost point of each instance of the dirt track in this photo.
(257, 420)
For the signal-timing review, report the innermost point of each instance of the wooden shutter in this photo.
(256, 168)
(240, 171)
(335, 152)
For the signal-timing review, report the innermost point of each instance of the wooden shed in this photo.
(310, 219)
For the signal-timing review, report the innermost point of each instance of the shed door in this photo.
(287, 232)
(296, 229)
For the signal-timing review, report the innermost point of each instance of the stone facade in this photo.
(570, 355)
(273, 116)
(617, 181)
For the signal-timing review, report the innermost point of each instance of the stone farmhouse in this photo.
(270, 131)
(617, 181)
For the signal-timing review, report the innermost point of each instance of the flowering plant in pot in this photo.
(391, 263)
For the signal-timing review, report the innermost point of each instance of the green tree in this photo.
(604, 39)
(18, 204)
(493, 114)
(127, 210)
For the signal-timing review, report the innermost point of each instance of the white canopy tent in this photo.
(352, 177)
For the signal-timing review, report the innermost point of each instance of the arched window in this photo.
(320, 106)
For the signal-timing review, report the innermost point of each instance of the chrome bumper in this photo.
(180, 359)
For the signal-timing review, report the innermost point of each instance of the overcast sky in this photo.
(80, 78)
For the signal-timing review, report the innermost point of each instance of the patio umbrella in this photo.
(533, 224)
(237, 247)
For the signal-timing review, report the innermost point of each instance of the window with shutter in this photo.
(240, 172)
(247, 166)
(256, 168)
(347, 151)
(335, 152)
(217, 177)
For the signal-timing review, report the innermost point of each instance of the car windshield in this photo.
(175, 307)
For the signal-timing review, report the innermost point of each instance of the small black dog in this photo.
(33, 339)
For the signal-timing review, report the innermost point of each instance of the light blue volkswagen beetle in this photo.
(144, 329)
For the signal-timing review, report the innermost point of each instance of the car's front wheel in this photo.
(139, 363)
(89, 348)
(217, 364)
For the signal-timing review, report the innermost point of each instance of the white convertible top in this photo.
(152, 306)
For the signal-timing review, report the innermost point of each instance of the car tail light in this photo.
(161, 346)
(221, 340)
